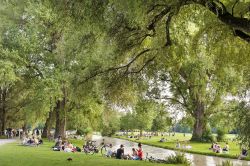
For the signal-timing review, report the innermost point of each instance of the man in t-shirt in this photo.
(120, 152)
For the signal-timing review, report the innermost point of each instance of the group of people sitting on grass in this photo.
(65, 146)
(215, 147)
(32, 140)
(136, 154)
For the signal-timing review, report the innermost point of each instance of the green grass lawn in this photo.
(17, 155)
(197, 147)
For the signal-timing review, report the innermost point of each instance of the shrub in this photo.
(221, 135)
(178, 158)
(85, 131)
(208, 136)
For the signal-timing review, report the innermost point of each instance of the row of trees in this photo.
(65, 63)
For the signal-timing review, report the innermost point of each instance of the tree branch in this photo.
(234, 6)
(157, 18)
(126, 66)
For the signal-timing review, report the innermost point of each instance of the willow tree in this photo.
(197, 48)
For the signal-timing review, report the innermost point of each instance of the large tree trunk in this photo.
(48, 124)
(3, 111)
(3, 121)
(200, 123)
(60, 119)
(141, 133)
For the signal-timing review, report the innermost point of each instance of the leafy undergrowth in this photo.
(178, 158)
(17, 155)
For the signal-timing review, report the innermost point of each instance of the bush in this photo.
(178, 158)
(85, 131)
(108, 131)
(208, 136)
(220, 135)
(226, 163)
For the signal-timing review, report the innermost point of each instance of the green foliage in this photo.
(162, 121)
(128, 121)
(221, 134)
(85, 131)
(47, 55)
(110, 122)
(145, 113)
(207, 135)
(178, 158)
(242, 123)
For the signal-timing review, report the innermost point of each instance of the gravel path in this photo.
(6, 141)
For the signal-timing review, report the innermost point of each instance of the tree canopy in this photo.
(72, 60)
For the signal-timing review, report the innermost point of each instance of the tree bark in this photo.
(200, 124)
(60, 119)
(242, 24)
(3, 121)
(3, 111)
(48, 124)
(24, 129)
(140, 133)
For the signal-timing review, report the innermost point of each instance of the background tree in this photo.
(242, 123)
(110, 122)
(145, 113)
(162, 121)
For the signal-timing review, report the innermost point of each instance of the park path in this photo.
(6, 141)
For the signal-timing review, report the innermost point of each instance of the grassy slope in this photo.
(16, 155)
(197, 147)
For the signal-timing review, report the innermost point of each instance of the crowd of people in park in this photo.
(12, 133)
(20, 133)
(33, 140)
(66, 146)
(29, 139)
